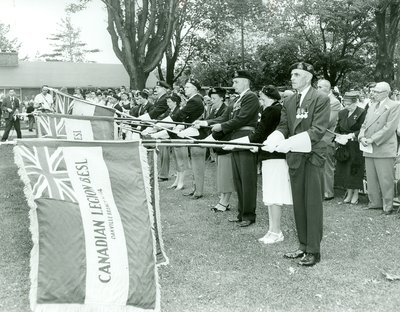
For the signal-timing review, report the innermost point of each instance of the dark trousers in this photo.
(244, 169)
(10, 122)
(307, 190)
(31, 121)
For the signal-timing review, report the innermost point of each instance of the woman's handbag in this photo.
(342, 153)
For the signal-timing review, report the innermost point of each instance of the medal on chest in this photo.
(301, 113)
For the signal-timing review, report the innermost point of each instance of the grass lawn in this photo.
(215, 266)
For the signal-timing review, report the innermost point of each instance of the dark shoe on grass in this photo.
(310, 259)
(294, 254)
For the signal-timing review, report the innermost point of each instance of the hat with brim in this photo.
(351, 95)
(303, 66)
(220, 91)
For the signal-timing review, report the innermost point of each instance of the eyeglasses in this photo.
(377, 91)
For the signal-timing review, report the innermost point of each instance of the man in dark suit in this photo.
(306, 115)
(160, 111)
(239, 120)
(10, 110)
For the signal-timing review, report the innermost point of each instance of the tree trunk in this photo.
(386, 39)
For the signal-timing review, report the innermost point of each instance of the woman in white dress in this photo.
(275, 172)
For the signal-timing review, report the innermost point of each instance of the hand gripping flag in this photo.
(91, 225)
(70, 127)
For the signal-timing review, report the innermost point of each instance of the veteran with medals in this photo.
(240, 120)
(304, 120)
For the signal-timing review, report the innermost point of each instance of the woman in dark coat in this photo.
(350, 166)
(276, 187)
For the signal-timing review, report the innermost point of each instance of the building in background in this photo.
(27, 77)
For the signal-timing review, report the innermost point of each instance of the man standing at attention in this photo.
(160, 111)
(10, 110)
(239, 120)
(305, 115)
(378, 136)
(324, 86)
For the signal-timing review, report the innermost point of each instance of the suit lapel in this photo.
(305, 104)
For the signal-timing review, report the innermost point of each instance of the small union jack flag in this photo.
(51, 127)
(63, 103)
(48, 173)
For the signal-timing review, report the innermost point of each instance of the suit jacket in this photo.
(333, 119)
(215, 114)
(318, 108)
(380, 125)
(8, 104)
(350, 124)
(158, 111)
(193, 109)
(243, 112)
(139, 110)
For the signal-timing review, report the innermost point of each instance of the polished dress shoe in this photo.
(310, 259)
(372, 208)
(245, 223)
(234, 220)
(162, 179)
(294, 255)
(329, 198)
(388, 213)
(196, 196)
(189, 194)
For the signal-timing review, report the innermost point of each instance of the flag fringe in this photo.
(33, 227)
(157, 208)
(147, 185)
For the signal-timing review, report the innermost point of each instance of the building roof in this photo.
(66, 74)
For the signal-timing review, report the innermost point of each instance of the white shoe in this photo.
(274, 238)
(262, 239)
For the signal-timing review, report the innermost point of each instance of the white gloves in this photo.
(160, 135)
(272, 141)
(200, 123)
(343, 138)
(300, 142)
(165, 125)
(188, 132)
(245, 139)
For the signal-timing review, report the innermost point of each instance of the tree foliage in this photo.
(67, 45)
(7, 44)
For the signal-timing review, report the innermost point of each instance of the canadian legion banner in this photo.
(91, 224)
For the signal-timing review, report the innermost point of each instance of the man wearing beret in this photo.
(304, 120)
(159, 111)
(239, 120)
(192, 111)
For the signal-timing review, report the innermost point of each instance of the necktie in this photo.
(298, 98)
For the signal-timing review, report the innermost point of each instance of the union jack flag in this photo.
(51, 127)
(63, 103)
(48, 173)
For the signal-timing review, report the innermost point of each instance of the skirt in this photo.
(224, 174)
(182, 158)
(276, 188)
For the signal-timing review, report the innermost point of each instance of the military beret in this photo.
(174, 97)
(271, 91)
(163, 84)
(194, 82)
(220, 91)
(242, 74)
(304, 66)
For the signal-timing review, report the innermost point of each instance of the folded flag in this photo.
(71, 127)
(91, 216)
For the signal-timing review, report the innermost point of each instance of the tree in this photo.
(66, 43)
(7, 44)
(387, 17)
(140, 33)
